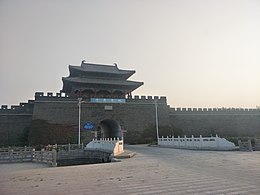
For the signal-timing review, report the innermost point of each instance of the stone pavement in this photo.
(152, 170)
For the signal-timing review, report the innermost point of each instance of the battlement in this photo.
(22, 108)
(214, 111)
(147, 99)
(63, 97)
(49, 94)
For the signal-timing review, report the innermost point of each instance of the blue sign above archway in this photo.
(89, 126)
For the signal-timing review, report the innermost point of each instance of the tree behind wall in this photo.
(43, 133)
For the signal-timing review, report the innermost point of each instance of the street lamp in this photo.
(156, 119)
(79, 104)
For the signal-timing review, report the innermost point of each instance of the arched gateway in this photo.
(109, 128)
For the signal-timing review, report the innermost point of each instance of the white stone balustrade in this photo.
(197, 143)
(116, 146)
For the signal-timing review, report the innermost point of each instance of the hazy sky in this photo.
(198, 53)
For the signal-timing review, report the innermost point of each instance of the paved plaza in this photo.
(152, 170)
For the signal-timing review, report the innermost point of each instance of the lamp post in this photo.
(156, 119)
(79, 104)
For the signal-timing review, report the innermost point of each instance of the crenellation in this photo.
(22, 108)
(62, 96)
(4, 107)
(147, 99)
(13, 107)
(51, 96)
(23, 104)
(163, 99)
(215, 110)
(39, 94)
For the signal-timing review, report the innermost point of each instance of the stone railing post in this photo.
(32, 154)
(201, 141)
(250, 149)
(217, 141)
(10, 151)
(42, 150)
(69, 147)
(23, 155)
(239, 144)
(54, 158)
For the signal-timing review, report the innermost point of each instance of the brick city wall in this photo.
(13, 121)
(135, 115)
(223, 121)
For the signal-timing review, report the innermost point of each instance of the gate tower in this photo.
(98, 81)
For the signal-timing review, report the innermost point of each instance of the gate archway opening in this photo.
(109, 128)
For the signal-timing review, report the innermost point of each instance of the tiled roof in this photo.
(102, 81)
(88, 67)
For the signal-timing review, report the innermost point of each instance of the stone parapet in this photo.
(49, 96)
(147, 99)
(22, 108)
(214, 111)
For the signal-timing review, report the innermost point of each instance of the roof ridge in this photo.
(114, 65)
